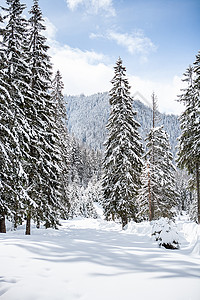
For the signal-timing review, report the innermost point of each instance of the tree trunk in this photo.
(113, 216)
(124, 222)
(47, 225)
(2, 224)
(38, 223)
(198, 191)
(28, 224)
(149, 194)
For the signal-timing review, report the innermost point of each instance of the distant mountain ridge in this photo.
(88, 116)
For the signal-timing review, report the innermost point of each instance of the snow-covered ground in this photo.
(90, 259)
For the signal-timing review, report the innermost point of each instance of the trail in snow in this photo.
(94, 260)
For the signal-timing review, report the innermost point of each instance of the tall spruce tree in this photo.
(157, 195)
(189, 141)
(15, 73)
(76, 161)
(63, 136)
(123, 151)
(196, 146)
(151, 165)
(44, 159)
(148, 192)
(6, 140)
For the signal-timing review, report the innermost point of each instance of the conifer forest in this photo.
(107, 156)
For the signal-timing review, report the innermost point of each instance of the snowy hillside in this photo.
(88, 115)
(91, 259)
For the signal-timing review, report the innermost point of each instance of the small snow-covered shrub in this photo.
(164, 231)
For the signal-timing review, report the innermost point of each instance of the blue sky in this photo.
(156, 39)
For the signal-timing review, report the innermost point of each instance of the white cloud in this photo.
(83, 72)
(93, 6)
(136, 43)
(72, 4)
(96, 35)
(88, 72)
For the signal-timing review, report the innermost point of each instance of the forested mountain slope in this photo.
(88, 115)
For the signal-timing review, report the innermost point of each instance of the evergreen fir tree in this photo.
(157, 195)
(6, 140)
(182, 188)
(63, 137)
(146, 194)
(158, 189)
(74, 197)
(189, 141)
(152, 190)
(16, 76)
(123, 150)
(196, 145)
(44, 167)
(76, 161)
(169, 194)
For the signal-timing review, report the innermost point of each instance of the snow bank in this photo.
(143, 228)
(196, 248)
(191, 233)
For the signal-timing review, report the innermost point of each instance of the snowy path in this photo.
(95, 260)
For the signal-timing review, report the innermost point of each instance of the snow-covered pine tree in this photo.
(196, 146)
(148, 190)
(74, 196)
(6, 136)
(123, 150)
(147, 193)
(161, 176)
(185, 194)
(155, 112)
(189, 141)
(169, 195)
(63, 140)
(16, 74)
(44, 168)
(80, 162)
(157, 195)
(76, 161)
